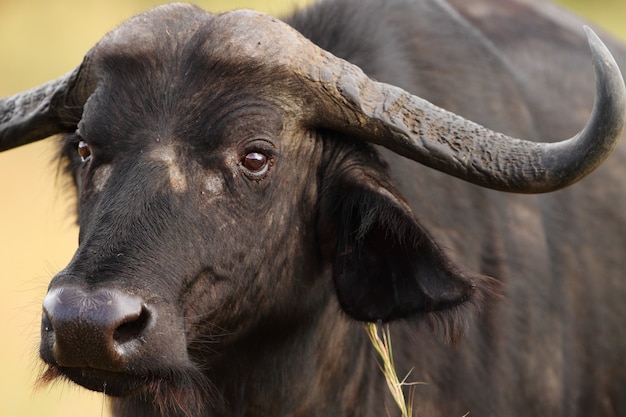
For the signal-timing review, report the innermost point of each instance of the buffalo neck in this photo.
(297, 373)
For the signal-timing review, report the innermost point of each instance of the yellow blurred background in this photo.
(41, 40)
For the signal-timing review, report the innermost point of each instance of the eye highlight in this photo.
(84, 150)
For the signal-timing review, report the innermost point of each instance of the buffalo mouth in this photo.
(184, 391)
(115, 384)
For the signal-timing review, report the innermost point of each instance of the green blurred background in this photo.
(40, 40)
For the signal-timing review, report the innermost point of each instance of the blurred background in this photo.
(39, 41)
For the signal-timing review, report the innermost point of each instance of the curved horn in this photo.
(447, 142)
(343, 98)
(51, 108)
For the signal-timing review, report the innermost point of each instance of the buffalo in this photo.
(251, 190)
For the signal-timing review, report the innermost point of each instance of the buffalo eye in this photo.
(256, 164)
(84, 151)
(255, 161)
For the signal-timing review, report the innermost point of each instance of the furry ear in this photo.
(386, 265)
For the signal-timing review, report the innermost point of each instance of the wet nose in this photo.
(98, 329)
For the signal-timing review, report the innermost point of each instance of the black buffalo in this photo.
(238, 220)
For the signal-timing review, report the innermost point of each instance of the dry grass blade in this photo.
(382, 344)
(104, 397)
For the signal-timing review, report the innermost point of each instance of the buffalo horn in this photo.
(51, 108)
(345, 99)
(413, 127)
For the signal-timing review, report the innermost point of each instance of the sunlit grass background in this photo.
(40, 40)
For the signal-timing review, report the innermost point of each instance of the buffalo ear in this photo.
(386, 265)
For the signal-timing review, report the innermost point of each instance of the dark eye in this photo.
(83, 150)
(255, 161)
(257, 164)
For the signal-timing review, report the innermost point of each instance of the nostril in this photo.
(133, 328)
